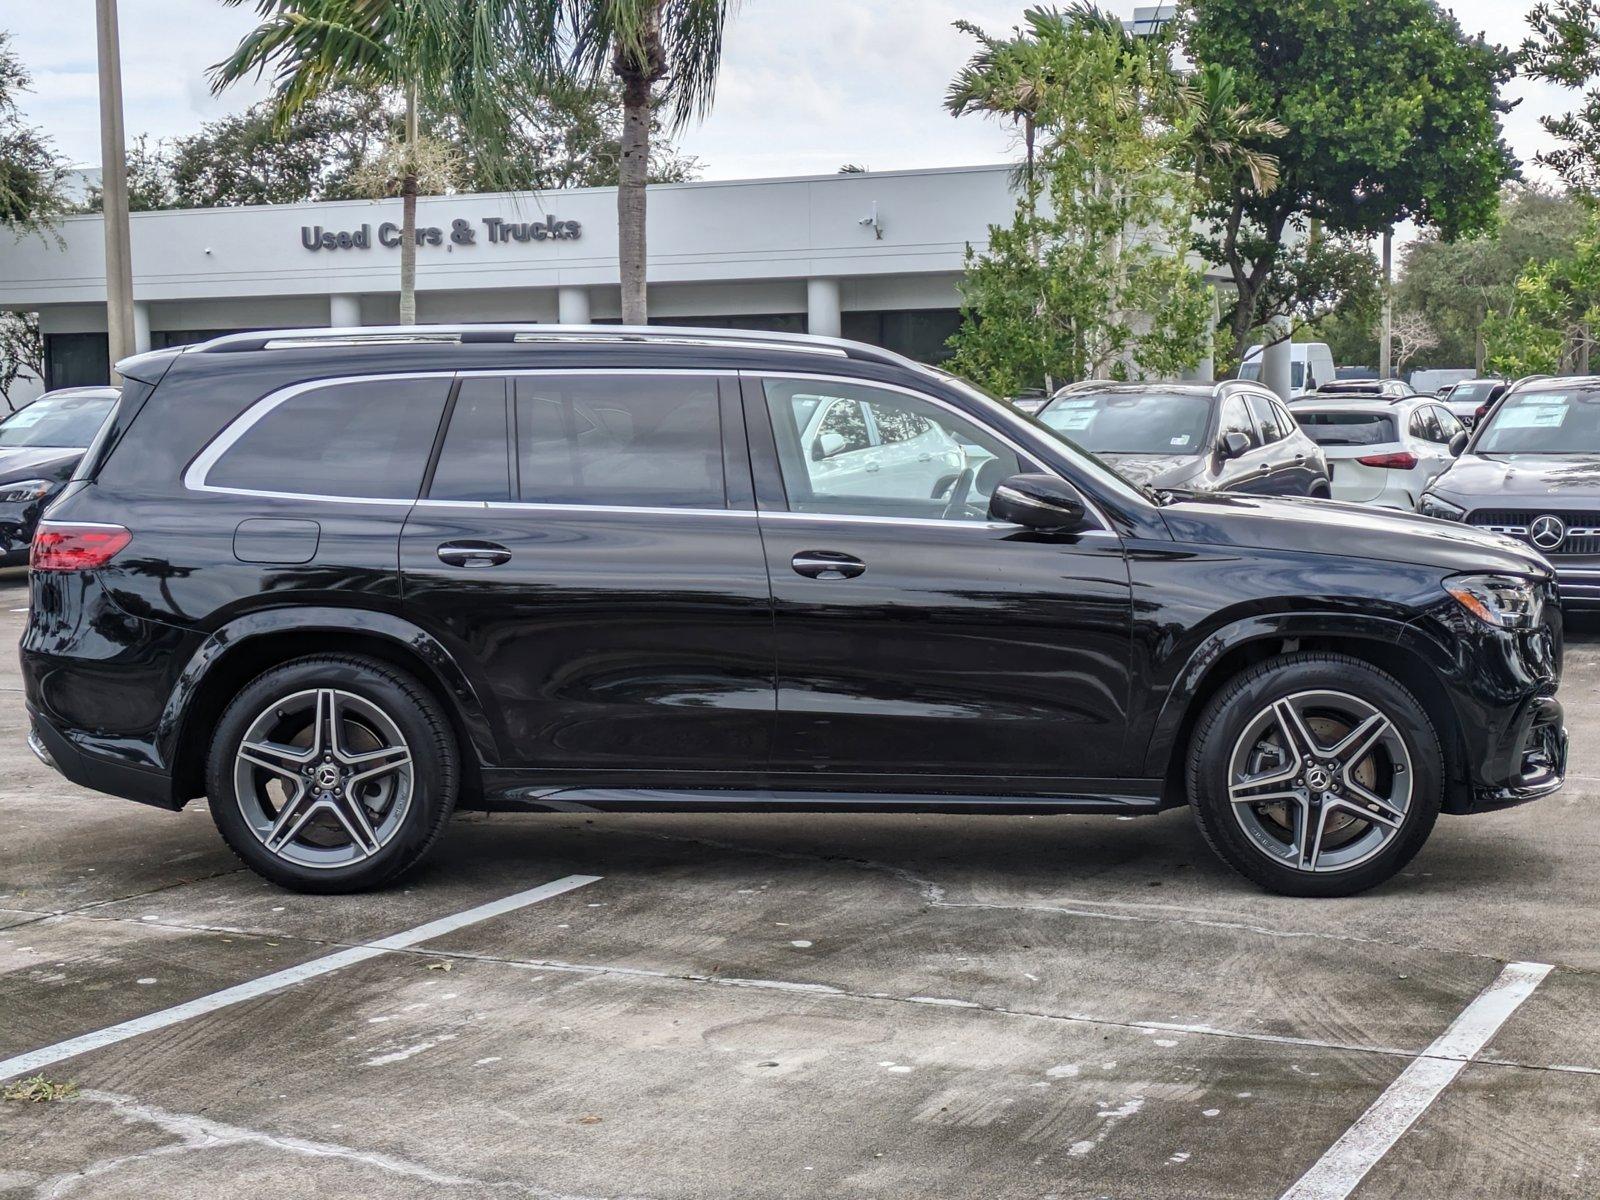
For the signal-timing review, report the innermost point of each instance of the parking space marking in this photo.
(36, 1060)
(1337, 1173)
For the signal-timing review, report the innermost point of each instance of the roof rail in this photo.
(655, 335)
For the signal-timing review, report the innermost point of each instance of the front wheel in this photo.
(1315, 775)
(332, 774)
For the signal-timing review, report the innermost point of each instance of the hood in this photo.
(37, 462)
(1155, 470)
(1521, 481)
(1329, 527)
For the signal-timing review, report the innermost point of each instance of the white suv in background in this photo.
(1382, 452)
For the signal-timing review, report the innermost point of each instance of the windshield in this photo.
(1347, 428)
(65, 421)
(1475, 392)
(1131, 422)
(1543, 423)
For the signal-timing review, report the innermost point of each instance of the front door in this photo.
(588, 543)
(921, 647)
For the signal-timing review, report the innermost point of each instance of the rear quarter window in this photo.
(363, 439)
(1347, 429)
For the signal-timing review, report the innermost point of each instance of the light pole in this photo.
(1386, 323)
(114, 187)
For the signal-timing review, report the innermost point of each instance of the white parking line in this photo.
(36, 1060)
(1348, 1160)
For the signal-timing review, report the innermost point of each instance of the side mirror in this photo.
(828, 444)
(1038, 502)
(1234, 444)
(1458, 444)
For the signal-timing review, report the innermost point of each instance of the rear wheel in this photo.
(332, 774)
(1315, 775)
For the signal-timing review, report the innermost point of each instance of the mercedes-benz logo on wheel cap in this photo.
(1547, 532)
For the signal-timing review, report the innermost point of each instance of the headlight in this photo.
(1499, 600)
(1431, 506)
(24, 491)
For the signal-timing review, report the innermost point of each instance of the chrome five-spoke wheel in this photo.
(1320, 781)
(323, 778)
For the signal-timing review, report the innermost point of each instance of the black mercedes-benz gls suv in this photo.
(341, 582)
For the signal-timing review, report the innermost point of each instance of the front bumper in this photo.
(1532, 758)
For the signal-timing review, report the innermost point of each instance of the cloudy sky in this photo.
(808, 84)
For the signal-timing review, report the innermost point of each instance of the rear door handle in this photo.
(827, 564)
(473, 554)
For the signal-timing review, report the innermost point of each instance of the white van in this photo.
(1310, 366)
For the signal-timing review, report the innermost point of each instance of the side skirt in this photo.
(1134, 797)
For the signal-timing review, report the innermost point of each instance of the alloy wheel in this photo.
(324, 778)
(1320, 781)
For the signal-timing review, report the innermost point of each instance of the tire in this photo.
(350, 774)
(1359, 731)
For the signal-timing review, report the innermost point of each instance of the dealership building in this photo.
(873, 256)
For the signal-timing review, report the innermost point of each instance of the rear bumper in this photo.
(91, 770)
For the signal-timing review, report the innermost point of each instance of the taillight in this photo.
(1403, 461)
(66, 546)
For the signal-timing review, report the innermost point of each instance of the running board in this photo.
(1130, 803)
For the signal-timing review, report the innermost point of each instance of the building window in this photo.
(919, 333)
(76, 360)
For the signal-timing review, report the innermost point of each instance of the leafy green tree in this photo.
(666, 55)
(21, 354)
(31, 176)
(1096, 280)
(476, 58)
(1551, 323)
(1392, 114)
(1564, 48)
(1458, 284)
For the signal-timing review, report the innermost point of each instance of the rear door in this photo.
(920, 646)
(588, 544)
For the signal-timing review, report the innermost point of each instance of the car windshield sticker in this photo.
(1181, 441)
(1074, 422)
(1544, 414)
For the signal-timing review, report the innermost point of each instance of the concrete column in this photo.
(344, 311)
(1277, 363)
(141, 326)
(572, 305)
(824, 312)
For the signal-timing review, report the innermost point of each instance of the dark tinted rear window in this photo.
(475, 461)
(1347, 429)
(633, 440)
(368, 439)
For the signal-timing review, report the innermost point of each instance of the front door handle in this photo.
(827, 564)
(473, 554)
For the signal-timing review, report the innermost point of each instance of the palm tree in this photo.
(665, 53)
(1222, 129)
(1004, 79)
(471, 57)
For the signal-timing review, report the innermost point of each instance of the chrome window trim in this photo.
(928, 522)
(757, 376)
(194, 476)
(637, 509)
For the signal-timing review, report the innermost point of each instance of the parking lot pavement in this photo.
(797, 1006)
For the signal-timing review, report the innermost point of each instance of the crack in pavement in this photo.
(195, 1132)
(88, 908)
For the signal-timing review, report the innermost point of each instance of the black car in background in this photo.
(341, 581)
(1233, 436)
(40, 446)
(1531, 469)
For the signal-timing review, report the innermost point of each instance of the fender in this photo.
(446, 671)
(1275, 626)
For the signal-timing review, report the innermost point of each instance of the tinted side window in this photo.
(638, 440)
(1267, 417)
(1236, 419)
(1286, 421)
(1449, 424)
(367, 439)
(475, 460)
(1426, 426)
